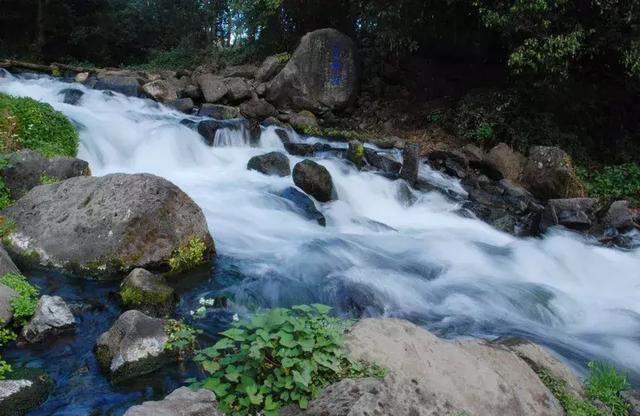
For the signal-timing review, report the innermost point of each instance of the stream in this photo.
(378, 255)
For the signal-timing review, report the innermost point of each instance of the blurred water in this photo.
(378, 255)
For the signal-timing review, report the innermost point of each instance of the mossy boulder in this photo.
(109, 225)
(148, 293)
(355, 154)
(24, 390)
(549, 173)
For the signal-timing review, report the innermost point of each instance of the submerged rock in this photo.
(410, 164)
(27, 169)
(135, 345)
(549, 174)
(382, 162)
(303, 205)
(430, 376)
(52, 318)
(111, 224)
(321, 74)
(24, 390)
(314, 179)
(274, 163)
(305, 149)
(71, 96)
(181, 402)
(147, 292)
(355, 153)
(184, 105)
(126, 85)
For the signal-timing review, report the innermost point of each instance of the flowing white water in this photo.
(457, 276)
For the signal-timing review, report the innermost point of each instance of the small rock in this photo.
(71, 96)
(355, 154)
(618, 216)
(135, 345)
(451, 163)
(219, 111)
(274, 163)
(81, 77)
(123, 84)
(574, 213)
(314, 179)
(238, 89)
(305, 149)
(303, 205)
(52, 318)
(184, 105)
(181, 402)
(161, 91)
(193, 92)
(632, 397)
(258, 109)
(410, 164)
(303, 120)
(147, 292)
(382, 162)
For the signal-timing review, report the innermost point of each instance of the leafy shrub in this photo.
(182, 337)
(281, 357)
(189, 255)
(5, 369)
(603, 383)
(614, 182)
(24, 305)
(39, 127)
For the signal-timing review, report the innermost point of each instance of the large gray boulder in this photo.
(135, 345)
(213, 87)
(160, 90)
(238, 89)
(321, 74)
(182, 402)
(314, 179)
(106, 225)
(507, 161)
(549, 174)
(147, 292)
(52, 317)
(430, 376)
(272, 164)
(258, 109)
(27, 169)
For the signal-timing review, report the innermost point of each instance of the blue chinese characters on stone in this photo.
(336, 67)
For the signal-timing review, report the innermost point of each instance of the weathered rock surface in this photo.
(184, 105)
(272, 164)
(71, 96)
(382, 162)
(314, 179)
(300, 203)
(160, 90)
(303, 120)
(213, 87)
(6, 311)
(181, 402)
(270, 67)
(632, 397)
(126, 85)
(106, 225)
(219, 111)
(238, 89)
(26, 169)
(240, 71)
(410, 164)
(23, 391)
(549, 174)
(321, 74)
(505, 160)
(52, 317)
(430, 376)
(135, 345)
(257, 108)
(6, 264)
(147, 292)
(573, 213)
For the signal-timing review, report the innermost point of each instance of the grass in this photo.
(604, 383)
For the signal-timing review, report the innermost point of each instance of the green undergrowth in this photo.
(182, 337)
(171, 60)
(23, 307)
(188, 256)
(613, 182)
(278, 358)
(603, 383)
(338, 134)
(35, 125)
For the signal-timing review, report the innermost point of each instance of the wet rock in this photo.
(303, 120)
(355, 154)
(148, 293)
(314, 179)
(573, 213)
(71, 96)
(208, 129)
(549, 174)
(52, 318)
(6, 310)
(106, 225)
(410, 164)
(193, 92)
(382, 162)
(184, 105)
(618, 216)
(272, 164)
(82, 77)
(27, 169)
(632, 397)
(219, 111)
(505, 160)
(451, 163)
(271, 66)
(240, 71)
(213, 87)
(24, 390)
(305, 149)
(321, 74)
(181, 402)
(258, 109)
(303, 205)
(427, 375)
(135, 345)
(472, 153)
(238, 89)
(160, 90)
(126, 85)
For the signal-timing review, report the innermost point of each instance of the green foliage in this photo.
(335, 133)
(7, 226)
(603, 383)
(5, 197)
(40, 127)
(188, 256)
(24, 305)
(613, 182)
(281, 357)
(5, 369)
(171, 60)
(48, 180)
(182, 337)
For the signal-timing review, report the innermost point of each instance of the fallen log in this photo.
(52, 69)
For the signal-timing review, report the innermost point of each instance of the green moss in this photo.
(284, 57)
(134, 296)
(48, 180)
(337, 134)
(37, 126)
(188, 256)
(356, 154)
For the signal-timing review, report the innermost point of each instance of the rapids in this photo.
(378, 254)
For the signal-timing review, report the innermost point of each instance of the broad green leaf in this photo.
(234, 334)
